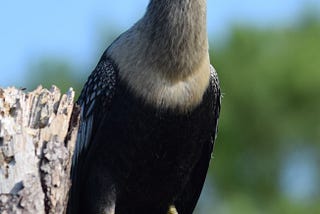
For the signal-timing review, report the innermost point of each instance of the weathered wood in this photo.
(37, 137)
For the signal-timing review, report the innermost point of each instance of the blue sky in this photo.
(67, 29)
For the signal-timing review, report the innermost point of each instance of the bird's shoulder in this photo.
(99, 88)
(215, 97)
(215, 90)
(214, 81)
(94, 101)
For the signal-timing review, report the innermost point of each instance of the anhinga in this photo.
(149, 117)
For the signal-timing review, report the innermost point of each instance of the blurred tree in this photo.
(271, 84)
(50, 71)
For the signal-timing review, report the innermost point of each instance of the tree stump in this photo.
(37, 137)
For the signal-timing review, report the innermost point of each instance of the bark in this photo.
(37, 137)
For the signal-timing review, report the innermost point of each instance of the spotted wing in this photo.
(95, 101)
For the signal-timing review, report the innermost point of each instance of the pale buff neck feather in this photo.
(164, 56)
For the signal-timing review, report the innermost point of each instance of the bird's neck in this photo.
(177, 34)
(164, 56)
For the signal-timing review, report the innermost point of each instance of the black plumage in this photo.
(133, 156)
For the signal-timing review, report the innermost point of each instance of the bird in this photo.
(149, 116)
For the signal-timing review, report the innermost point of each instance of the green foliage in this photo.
(54, 71)
(271, 84)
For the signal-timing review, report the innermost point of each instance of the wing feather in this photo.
(187, 201)
(94, 101)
